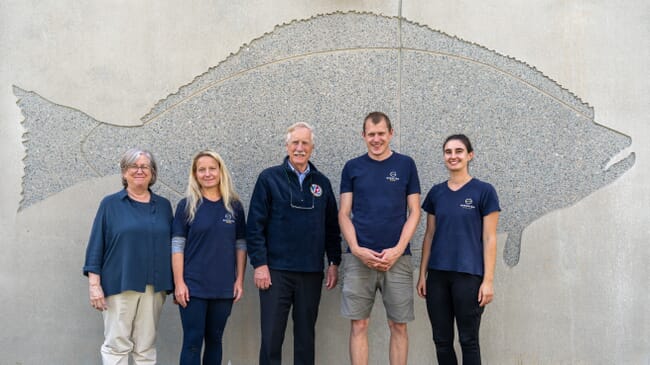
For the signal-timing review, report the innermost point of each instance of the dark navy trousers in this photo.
(299, 292)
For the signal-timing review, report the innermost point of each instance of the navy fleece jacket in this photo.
(291, 226)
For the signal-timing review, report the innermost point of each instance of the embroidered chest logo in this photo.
(469, 204)
(316, 190)
(392, 176)
(228, 219)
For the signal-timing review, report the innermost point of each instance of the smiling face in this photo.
(456, 156)
(207, 172)
(377, 137)
(299, 148)
(138, 174)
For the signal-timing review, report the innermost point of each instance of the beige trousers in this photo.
(130, 327)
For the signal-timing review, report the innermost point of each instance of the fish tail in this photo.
(53, 136)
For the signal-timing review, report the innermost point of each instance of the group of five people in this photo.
(292, 236)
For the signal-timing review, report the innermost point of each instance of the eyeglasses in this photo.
(299, 204)
(135, 168)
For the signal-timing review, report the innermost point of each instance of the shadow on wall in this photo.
(536, 142)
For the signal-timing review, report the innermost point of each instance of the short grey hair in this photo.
(297, 125)
(131, 156)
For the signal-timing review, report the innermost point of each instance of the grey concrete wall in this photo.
(577, 293)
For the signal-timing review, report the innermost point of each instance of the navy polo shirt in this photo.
(130, 244)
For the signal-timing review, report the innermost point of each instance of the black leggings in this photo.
(454, 295)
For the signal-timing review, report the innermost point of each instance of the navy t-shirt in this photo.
(210, 266)
(379, 201)
(458, 239)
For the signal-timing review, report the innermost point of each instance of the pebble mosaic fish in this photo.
(536, 142)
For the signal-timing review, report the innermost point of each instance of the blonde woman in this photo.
(208, 257)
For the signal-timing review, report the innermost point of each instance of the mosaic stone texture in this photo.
(537, 143)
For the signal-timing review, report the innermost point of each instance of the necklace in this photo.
(141, 197)
(456, 185)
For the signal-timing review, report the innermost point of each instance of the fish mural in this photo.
(536, 142)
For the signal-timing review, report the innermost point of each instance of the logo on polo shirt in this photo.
(316, 190)
(469, 204)
(392, 176)
(228, 219)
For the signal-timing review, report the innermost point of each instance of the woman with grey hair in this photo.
(128, 262)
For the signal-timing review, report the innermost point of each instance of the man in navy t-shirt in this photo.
(379, 213)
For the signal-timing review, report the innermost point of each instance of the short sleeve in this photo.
(489, 200)
(414, 180)
(241, 221)
(179, 224)
(429, 204)
(346, 180)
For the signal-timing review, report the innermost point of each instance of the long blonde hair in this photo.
(226, 188)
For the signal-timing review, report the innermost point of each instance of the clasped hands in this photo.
(380, 261)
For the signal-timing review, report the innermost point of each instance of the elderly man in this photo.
(380, 210)
(292, 223)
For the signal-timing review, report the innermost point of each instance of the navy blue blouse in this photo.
(130, 244)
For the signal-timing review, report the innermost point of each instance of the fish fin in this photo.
(512, 249)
